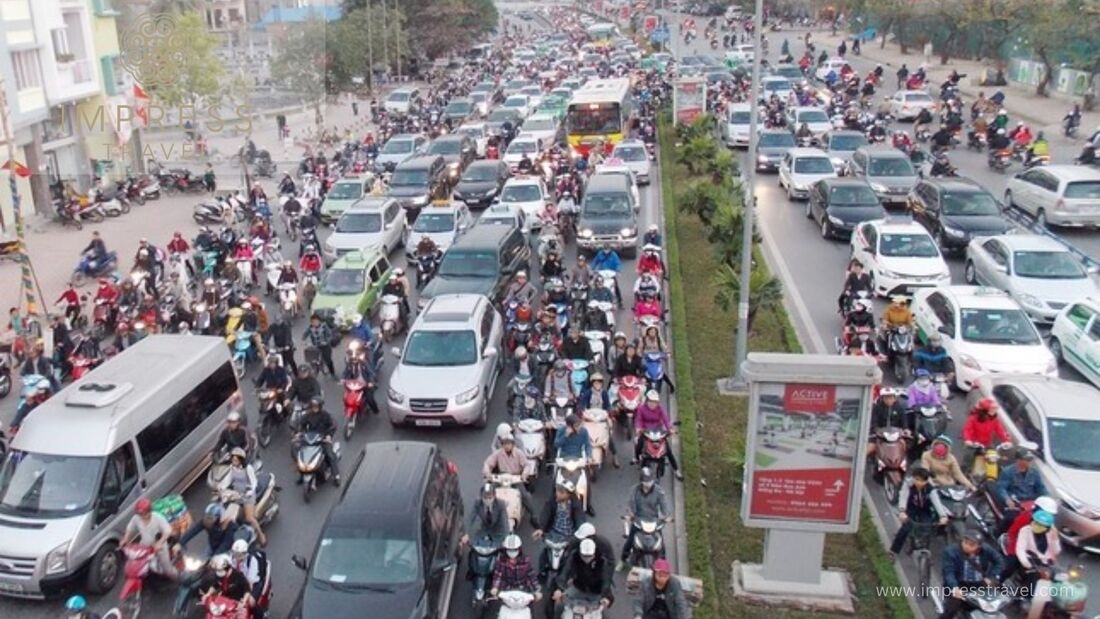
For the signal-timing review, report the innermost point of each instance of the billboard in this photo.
(689, 99)
(806, 448)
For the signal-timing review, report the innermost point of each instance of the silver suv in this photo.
(450, 364)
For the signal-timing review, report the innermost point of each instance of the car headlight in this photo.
(878, 188)
(762, 158)
(1031, 300)
(586, 233)
(57, 560)
(1081, 508)
(887, 273)
(838, 163)
(394, 395)
(628, 232)
(970, 362)
(490, 192)
(420, 200)
(836, 221)
(467, 396)
(949, 231)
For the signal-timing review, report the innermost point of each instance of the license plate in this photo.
(11, 587)
(431, 423)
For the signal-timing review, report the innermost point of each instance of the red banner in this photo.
(806, 398)
(624, 13)
(650, 23)
(820, 495)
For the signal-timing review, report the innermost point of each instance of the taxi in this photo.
(343, 194)
(442, 221)
(503, 215)
(351, 286)
(527, 193)
(900, 256)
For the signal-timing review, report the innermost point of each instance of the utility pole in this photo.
(397, 40)
(385, 39)
(737, 382)
(370, 49)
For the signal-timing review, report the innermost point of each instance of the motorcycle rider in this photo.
(150, 528)
(923, 392)
(596, 396)
(918, 503)
(252, 567)
(107, 294)
(982, 426)
(219, 531)
(897, 314)
(934, 358)
(580, 272)
(575, 346)
(968, 565)
(652, 236)
(650, 415)
(76, 607)
(804, 134)
(489, 518)
(221, 579)
(319, 336)
(559, 383)
(855, 281)
(661, 596)
(280, 338)
(1039, 148)
(586, 575)
(629, 363)
(241, 482)
(274, 376)
(998, 141)
(318, 420)
(942, 138)
(647, 502)
(606, 259)
(559, 518)
(1018, 484)
(943, 465)
(924, 118)
(888, 412)
(513, 571)
(877, 132)
(359, 368)
(304, 388)
(96, 249)
(521, 291)
(286, 185)
(508, 460)
(942, 166)
(552, 266)
(859, 316)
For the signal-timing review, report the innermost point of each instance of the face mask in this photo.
(647, 485)
(939, 450)
(1038, 529)
(924, 381)
(512, 554)
(487, 502)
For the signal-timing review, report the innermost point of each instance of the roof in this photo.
(844, 181)
(606, 182)
(453, 309)
(388, 481)
(523, 180)
(403, 136)
(422, 161)
(278, 15)
(1031, 242)
(957, 183)
(370, 203)
(484, 163)
(602, 90)
(1070, 173)
(1056, 397)
(481, 236)
(979, 296)
(898, 224)
(883, 150)
(357, 258)
(807, 152)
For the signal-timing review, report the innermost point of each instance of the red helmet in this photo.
(143, 506)
(103, 281)
(986, 405)
(177, 235)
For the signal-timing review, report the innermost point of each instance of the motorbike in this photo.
(485, 551)
(655, 451)
(654, 369)
(113, 203)
(580, 608)
(1036, 161)
(90, 268)
(600, 316)
(545, 355)
(389, 317)
(649, 543)
(954, 500)
(531, 439)
(985, 461)
(272, 413)
(242, 351)
(354, 403)
(211, 211)
(426, 266)
(891, 448)
(578, 373)
(598, 424)
(309, 458)
(82, 365)
(218, 606)
(931, 422)
(899, 349)
(5, 375)
(628, 397)
(506, 491)
(573, 472)
(597, 342)
(515, 604)
(999, 160)
(267, 500)
(519, 334)
(140, 563)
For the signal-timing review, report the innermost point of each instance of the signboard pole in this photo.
(808, 419)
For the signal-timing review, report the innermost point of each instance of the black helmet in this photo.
(572, 421)
(317, 400)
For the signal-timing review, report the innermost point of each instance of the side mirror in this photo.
(300, 562)
(946, 330)
(491, 352)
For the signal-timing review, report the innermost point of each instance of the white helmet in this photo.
(512, 542)
(652, 395)
(585, 531)
(220, 565)
(588, 548)
(1047, 504)
(504, 431)
(240, 547)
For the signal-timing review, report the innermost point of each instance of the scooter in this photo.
(267, 501)
(649, 542)
(426, 266)
(899, 348)
(389, 317)
(354, 402)
(544, 356)
(89, 268)
(891, 447)
(507, 492)
(931, 422)
(485, 552)
(573, 472)
(655, 451)
(999, 160)
(597, 343)
(242, 351)
(598, 424)
(82, 365)
(578, 373)
(309, 458)
(218, 606)
(579, 608)
(5, 374)
(628, 399)
(272, 413)
(600, 316)
(140, 563)
(954, 500)
(515, 604)
(655, 370)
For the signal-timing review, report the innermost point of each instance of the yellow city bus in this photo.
(601, 110)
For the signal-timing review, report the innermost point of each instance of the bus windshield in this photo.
(594, 118)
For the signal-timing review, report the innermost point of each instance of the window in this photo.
(114, 76)
(1030, 423)
(938, 304)
(376, 272)
(104, 7)
(1008, 397)
(183, 417)
(58, 126)
(1080, 314)
(1094, 332)
(119, 477)
(486, 329)
(60, 38)
(1047, 181)
(996, 253)
(28, 73)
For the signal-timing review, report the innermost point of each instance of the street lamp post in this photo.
(737, 382)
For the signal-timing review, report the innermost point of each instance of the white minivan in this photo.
(735, 132)
(401, 101)
(143, 424)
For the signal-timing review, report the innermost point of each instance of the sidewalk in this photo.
(1044, 113)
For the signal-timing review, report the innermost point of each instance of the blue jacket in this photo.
(576, 445)
(1023, 486)
(362, 331)
(988, 562)
(606, 260)
(586, 400)
(937, 362)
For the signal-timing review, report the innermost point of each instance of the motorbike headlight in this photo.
(949, 231)
(586, 233)
(467, 396)
(1031, 300)
(395, 396)
(970, 362)
(629, 232)
(57, 560)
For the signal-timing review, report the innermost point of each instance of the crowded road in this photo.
(812, 269)
(295, 530)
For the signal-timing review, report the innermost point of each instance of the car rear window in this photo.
(1083, 190)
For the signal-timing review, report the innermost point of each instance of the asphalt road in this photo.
(812, 270)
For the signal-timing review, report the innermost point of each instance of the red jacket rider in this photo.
(983, 426)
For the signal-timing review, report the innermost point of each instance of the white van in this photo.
(401, 101)
(735, 131)
(142, 424)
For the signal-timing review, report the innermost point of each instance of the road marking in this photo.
(801, 310)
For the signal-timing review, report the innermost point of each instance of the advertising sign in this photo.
(689, 99)
(650, 23)
(806, 449)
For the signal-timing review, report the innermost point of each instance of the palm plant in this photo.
(700, 199)
(765, 291)
(694, 153)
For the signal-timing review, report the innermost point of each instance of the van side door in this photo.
(118, 488)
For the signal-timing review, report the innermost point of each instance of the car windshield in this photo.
(445, 147)
(409, 178)
(345, 191)
(473, 132)
(813, 165)
(397, 147)
(434, 222)
(468, 264)
(516, 102)
(441, 348)
(998, 326)
(1073, 443)
(359, 222)
(478, 97)
(477, 174)
(501, 115)
(1083, 190)
(539, 124)
(521, 193)
(812, 116)
(1048, 265)
(459, 107)
(852, 195)
(522, 146)
(890, 166)
(343, 281)
(739, 117)
(398, 97)
(615, 204)
(48, 486)
(777, 140)
(918, 97)
(789, 72)
(970, 204)
(631, 153)
(774, 85)
(846, 143)
(347, 557)
(908, 246)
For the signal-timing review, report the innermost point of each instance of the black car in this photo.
(838, 205)
(481, 182)
(457, 150)
(458, 110)
(482, 261)
(390, 543)
(416, 181)
(771, 145)
(955, 210)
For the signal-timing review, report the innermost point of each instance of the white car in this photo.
(545, 127)
(832, 64)
(401, 100)
(503, 215)
(528, 193)
(983, 331)
(534, 95)
(1042, 274)
(735, 131)
(477, 133)
(776, 85)
(1059, 195)
(740, 55)
(373, 221)
(900, 256)
(907, 104)
(442, 222)
(634, 155)
(519, 103)
(481, 103)
(523, 144)
(1075, 337)
(815, 119)
(800, 168)
(618, 167)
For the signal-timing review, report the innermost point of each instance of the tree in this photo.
(361, 38)
(696, 152)
(1047, 27)
(700, 199)
(720, 167)
(196, 77)
(437, 27)
(765, 291)
(302, 63)
(890, 16)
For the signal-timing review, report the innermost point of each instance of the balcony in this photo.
(76, 79)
